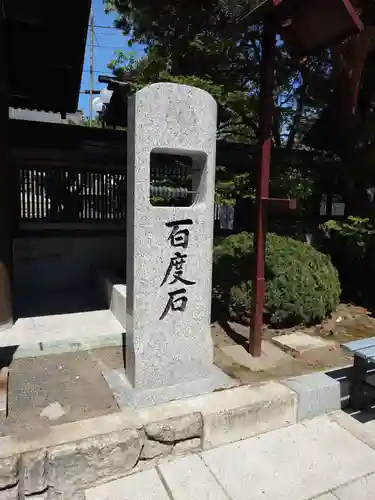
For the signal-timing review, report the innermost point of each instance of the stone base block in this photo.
(301, 344)
(113, 290)
(128, 397)
(317, 394)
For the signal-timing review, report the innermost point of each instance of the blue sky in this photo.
(106, 42)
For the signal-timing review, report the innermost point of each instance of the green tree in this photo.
(204, 44)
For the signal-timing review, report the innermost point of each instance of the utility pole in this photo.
(91, 61)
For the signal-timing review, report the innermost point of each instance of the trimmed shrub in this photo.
(302, 285)
(351, 245)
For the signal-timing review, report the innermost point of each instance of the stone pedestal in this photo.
(169, 254)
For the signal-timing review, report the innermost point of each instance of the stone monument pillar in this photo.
(169, 350)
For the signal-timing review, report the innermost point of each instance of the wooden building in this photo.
(42, 46)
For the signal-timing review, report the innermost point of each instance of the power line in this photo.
(108, 46)
(97, 41)
(103, 72)
(103, 33)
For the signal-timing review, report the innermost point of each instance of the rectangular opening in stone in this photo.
(175, 178)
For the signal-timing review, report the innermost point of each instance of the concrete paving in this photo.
(317, 459)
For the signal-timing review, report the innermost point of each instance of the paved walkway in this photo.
(327, 458)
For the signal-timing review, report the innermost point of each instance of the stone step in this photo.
(299, 462)
(43, 335)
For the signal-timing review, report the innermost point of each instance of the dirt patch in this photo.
(348, 322)
(73, 380)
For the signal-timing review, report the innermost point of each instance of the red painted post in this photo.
(263, 177)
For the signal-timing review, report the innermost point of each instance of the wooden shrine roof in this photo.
(45, 49)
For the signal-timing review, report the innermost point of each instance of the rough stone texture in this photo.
(317, 394)
(301, 344)
(53, 411)
(144, 486)
(153, 449)
(47, 495)
(189, 446)
(189, 479)
(362, 489)
(246, 411)
(176, 119)
(326, 496)
(34, 472)
(177, 428)
(87, 453)
(271, 356)
(9, 494)
(54, 494)
(83, 464)
(9, 467)
(294, 463)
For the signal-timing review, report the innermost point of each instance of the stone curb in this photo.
(114, 294)
(70, 458)
(354, 427)
(317, 394)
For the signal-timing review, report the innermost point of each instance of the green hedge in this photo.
(302, 284)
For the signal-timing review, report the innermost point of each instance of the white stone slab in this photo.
(300, 343)
(79, 326)
(294, 463)
(190, 479)
(144, 486)
(169, 345)
(362, 489)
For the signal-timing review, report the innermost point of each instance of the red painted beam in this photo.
(263, 178)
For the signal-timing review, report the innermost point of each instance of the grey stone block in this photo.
(240, 413)
(34, 472)
(9, 467)
(126, 396)
(153, 449)
(82, 464)
(188, 446)
(317, 394)
(10, 494)
(176, 429)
